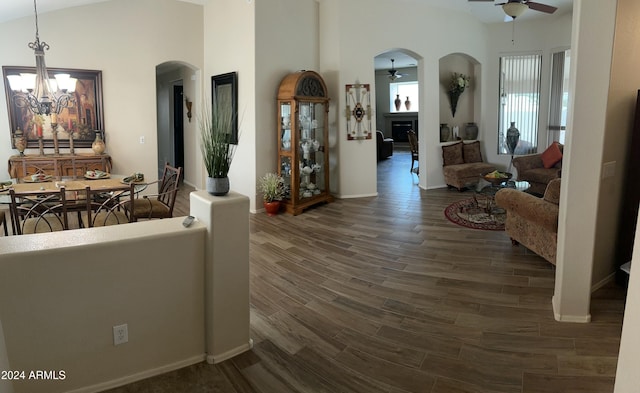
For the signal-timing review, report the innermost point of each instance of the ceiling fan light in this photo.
(514, 10)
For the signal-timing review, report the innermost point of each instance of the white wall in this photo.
(629, 356)
(592, 42)
(286, 41)
(229, 45)
(61, 294)
(120, 38)
(346, 56)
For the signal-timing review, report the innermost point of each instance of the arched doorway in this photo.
(177, 133)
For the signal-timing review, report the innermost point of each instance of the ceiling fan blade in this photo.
(541, 7)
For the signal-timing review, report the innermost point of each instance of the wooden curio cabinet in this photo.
(303, 140)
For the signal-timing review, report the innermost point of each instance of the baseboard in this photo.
(339, 196)
(611, 277)
(568, 318)
(213, 359)
(114, 383)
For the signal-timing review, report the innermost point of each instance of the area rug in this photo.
(471, 213)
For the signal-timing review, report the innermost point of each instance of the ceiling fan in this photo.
(515, 8)
(393, 73)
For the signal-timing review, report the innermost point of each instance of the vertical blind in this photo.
(520, 101)
(558, 97)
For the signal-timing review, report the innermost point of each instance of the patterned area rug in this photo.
(472, 213)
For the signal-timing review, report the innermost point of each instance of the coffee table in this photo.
(485, 192)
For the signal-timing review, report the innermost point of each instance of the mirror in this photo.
(224, 89)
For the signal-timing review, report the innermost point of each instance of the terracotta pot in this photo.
(272, 208)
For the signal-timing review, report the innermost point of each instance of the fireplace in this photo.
(399, 129)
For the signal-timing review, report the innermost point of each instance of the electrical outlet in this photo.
(142, 140)
(120, 334)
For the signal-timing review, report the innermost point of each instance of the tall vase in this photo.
(513, 136)
(407, 104)
(445, 132)
(98, 145)
(398, 102)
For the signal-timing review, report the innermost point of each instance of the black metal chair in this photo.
(159, 205)
(38, 212)
(413, 145)
(108, 206)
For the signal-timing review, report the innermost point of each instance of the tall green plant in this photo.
(216, 128)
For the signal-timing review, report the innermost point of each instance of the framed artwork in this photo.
(83, 117)
(224, 89)
(358, 112)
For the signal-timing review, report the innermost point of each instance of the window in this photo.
(559, 96)
(519, 101)
(403, 90)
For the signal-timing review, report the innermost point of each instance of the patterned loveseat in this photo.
(462, 164)
(533, 221)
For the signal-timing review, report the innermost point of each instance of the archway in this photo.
(397, 91)
(177, 133)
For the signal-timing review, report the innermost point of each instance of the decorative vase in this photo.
(471, 131)
(218, 186)
(445, 132)
(513, 136)
(98, 145)
(272, 208)
(407, 104)
(398, 102)
(19, 141)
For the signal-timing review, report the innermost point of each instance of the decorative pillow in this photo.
(471, 152)
(551, 156)
(452, 154)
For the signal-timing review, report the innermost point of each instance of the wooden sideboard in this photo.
(59, 165)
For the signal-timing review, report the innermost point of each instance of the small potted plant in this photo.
(273, 190)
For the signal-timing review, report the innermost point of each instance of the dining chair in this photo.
(38, 212)
(108, 206)
(159, 205)
(3, 219)
(413, 145)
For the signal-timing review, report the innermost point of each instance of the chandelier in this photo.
(37, 92)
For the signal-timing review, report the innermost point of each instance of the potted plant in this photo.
(273, 190)
(217, 150)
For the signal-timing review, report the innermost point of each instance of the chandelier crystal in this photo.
(37, 92)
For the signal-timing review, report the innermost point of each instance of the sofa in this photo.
(539, 169)
(532, 221)
(462, 164)
(384, 146)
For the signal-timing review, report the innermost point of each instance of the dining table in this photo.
(69, 183)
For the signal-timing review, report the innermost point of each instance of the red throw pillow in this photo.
(551, 156)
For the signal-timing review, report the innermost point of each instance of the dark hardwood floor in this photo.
(384, 294)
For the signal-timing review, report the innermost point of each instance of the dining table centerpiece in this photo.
(457, 85)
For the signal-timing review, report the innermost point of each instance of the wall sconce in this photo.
(189, 104)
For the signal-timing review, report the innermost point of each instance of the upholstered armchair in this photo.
(539, 169)
(384, 146)
(532, 221)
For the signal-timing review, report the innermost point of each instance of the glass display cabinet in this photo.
(303, 152)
